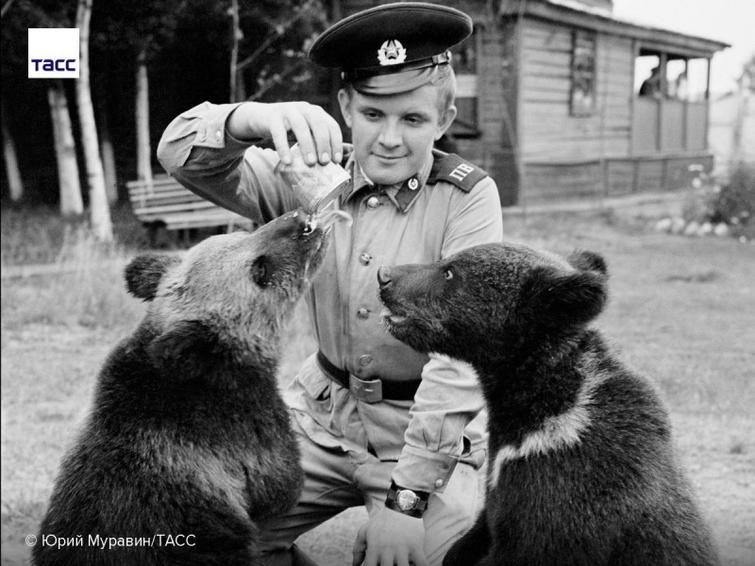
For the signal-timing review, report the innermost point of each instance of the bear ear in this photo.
(144, 272)
(187, 348)
(585, 260)
(559, 299)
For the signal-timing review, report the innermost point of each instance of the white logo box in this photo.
(53, 53)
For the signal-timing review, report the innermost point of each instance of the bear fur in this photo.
(581, 468)
(188, 437)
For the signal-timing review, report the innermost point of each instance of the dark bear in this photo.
(581, 466)
(188, 443)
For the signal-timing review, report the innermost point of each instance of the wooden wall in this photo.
(592, 156)
(548, 132)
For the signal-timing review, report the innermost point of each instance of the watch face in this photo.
(406, 499)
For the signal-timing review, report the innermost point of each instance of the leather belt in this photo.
(369, 390)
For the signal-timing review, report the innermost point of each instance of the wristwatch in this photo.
(407, 501)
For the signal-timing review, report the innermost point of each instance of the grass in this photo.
(680, 311)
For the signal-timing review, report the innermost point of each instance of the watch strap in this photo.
(407, 501)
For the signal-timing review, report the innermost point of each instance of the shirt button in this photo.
(363, 313)
(365, 360)
(365, 258)
(373, 202)
(218, 135)
(438, 483)
(413, 184)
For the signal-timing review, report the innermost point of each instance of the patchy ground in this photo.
(680, 311)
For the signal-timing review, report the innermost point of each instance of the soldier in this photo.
(380, 424)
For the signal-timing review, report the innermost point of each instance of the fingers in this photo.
(360, 546)
(387, 558)
(278, 132)
(316, 132)
(327, 136)
(418, 559)
(402, 559)
(358, 558)
(300, 127)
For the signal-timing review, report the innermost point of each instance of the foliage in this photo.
(34, 235)
(136, 26)
(732, 203)
(277, 36)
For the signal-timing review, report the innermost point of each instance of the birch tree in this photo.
(107, 152)
(10, 159)
(71, 203)
(143, 144)
(99, 211)
(15, 184)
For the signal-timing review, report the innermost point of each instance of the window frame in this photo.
(583, 71)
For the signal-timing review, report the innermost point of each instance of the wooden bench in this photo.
(170, 205)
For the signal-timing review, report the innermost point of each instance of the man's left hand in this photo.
(390, 538)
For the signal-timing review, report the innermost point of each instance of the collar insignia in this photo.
(391, 53)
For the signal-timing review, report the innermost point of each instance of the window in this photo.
(647, 75)
(670, 111)
(582, 73)
(465, 60)
(670, 76)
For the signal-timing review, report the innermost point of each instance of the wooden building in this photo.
(549, 99)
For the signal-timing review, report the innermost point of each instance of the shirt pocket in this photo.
(316, 386)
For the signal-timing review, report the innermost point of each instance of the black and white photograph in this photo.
(370, 283)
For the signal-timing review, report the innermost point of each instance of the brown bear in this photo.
(188, 443)
(581, 466)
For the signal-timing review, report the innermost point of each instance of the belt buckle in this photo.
(367, 390)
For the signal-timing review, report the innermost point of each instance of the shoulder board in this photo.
(453, 169)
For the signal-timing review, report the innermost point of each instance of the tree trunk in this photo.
(143, 149)
(741, 95)
(71, 203)
(15, 185)
(108, 158)
(236, 36)
(98, 207)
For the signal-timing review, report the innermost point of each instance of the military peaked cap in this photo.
(392, 48)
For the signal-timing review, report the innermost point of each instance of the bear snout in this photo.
(384, 276)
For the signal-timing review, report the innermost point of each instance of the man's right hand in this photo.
(316, 131)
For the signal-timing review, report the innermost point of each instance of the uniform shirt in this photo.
(417, 222)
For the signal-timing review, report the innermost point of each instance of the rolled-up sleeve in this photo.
(446, 401)
(449, 396)
(198, 151)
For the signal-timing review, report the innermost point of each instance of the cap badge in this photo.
(391, 53)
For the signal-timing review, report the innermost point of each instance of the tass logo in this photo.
(53, 53)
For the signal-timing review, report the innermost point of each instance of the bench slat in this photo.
(175, 193)
(169, 202)
(157, 181)
(206, 213)
(171, 205)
